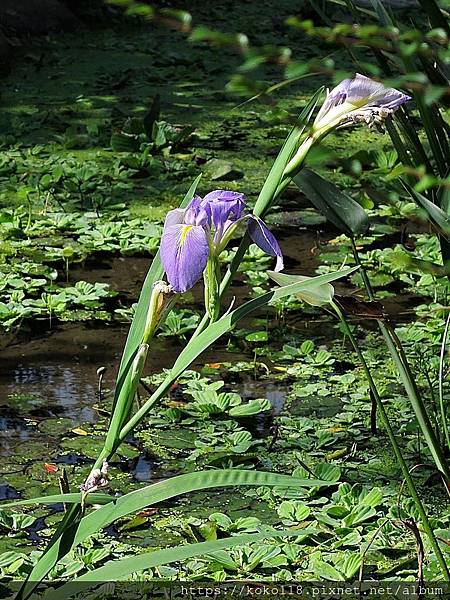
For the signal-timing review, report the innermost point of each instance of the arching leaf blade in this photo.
(119, 569)
(148, 496)
(315, 296)
(437, 216)
(213, 332)
(337, 206)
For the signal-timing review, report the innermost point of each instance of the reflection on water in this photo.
(14, 431)
(56, 377)
(53, 377)
(143, 469)
(32, 394)
(61, 389)
(7, 492)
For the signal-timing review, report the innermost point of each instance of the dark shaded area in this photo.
(35, 17)
(22, 19)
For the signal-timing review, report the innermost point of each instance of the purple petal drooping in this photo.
(184, 253)
(262, 237)
(174, 217)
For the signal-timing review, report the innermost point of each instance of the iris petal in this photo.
(174, 217)
(184, 253)
(198, 213)
(357, 100)
(373, 93)
(262, 236)
(225, 206)
(362, 90)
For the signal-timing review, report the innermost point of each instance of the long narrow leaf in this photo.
(287, 151)
(119, 569)
(215, 330)
(316, 296)
(435, 214)
(150, 495)
(443, 198)
(337, 206)
(430, 119)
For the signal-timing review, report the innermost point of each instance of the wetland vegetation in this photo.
(294, 417)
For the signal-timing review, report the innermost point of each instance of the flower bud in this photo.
(161, 300)
(212, 287)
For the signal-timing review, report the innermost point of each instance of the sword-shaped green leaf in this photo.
(337, 206)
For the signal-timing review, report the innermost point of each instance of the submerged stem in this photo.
(441, 384)
(398, 355)
(397, 451)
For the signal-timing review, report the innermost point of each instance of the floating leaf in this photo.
(251, 408)
(218, 169)
(257, 336)
(79, 431)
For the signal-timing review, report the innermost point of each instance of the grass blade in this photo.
(288, 149)
(435, 214)
(435, 15)
(315, 296)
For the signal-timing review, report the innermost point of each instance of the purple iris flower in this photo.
(360, 99)
(193, 235)
(357, 100)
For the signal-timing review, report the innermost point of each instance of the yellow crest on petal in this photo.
(184, 233)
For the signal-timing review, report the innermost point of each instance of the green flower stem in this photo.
(124, 403)
(145, 408)
(211, 278)
(296, 163)
(397, 451)
(442, 407)
(398, 355)
(127, 426)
